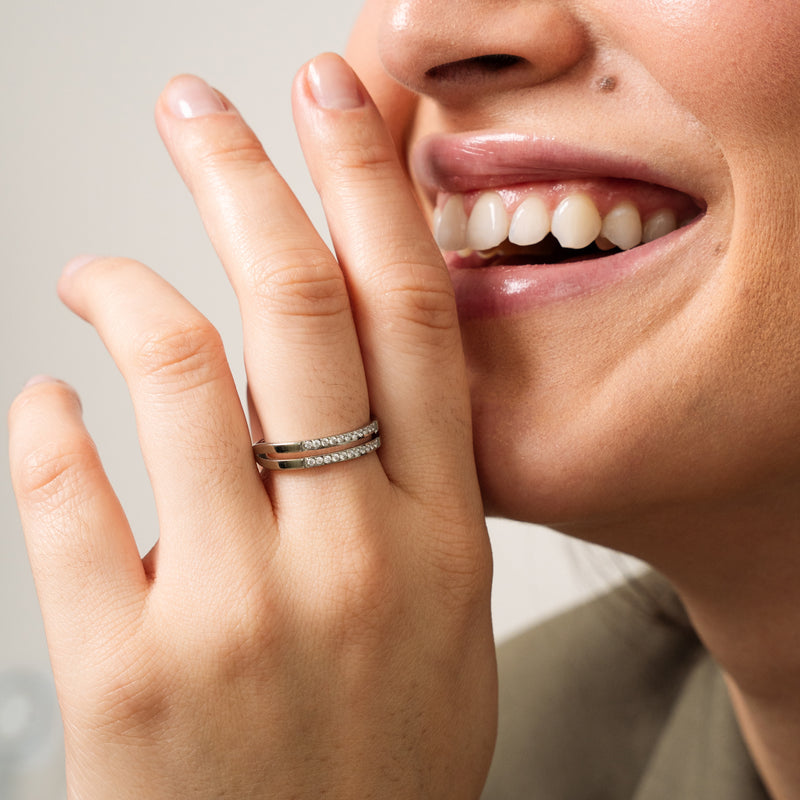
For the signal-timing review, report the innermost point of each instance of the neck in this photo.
(736, 567)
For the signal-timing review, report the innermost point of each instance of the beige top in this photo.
(617, 700)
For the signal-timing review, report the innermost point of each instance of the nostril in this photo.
(471, 68)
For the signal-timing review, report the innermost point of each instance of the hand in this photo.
(319, 633)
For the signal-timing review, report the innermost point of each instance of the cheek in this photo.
(734, 64)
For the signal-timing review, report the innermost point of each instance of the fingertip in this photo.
(76, 263)
(40, 414)
(71, 269)
(67, 279)
(189, 97)
(44, 382)
(332, 84)
(37, 379)
(38, 388)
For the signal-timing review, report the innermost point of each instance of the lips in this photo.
(537, 220)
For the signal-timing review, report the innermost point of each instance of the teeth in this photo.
(450, 224)
(488, 222)
(576, 222)
(659, 224)
(530, 223)
(623, 226)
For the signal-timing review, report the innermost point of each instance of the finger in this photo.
(401, 293)
(301, 352)
(192, 429)
(83, 556)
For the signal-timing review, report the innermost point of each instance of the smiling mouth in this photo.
(556, 222)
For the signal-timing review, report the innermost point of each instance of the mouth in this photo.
(518, 216)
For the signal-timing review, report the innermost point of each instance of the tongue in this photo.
(548, 251)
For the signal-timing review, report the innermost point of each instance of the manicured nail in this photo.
(333, 84)
(76, 263)
(188, 97)
(39, 379)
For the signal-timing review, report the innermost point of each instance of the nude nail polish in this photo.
(333, 84)
(188, 97)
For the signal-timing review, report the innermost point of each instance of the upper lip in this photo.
(462, 163)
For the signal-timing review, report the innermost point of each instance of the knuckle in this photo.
(237, 149)
(243, 628)
(129, 696)
(367, 591)
(362, 158)
(415, 293)
(300, 283)
(181, 357)
(361, 599)
(52, 477)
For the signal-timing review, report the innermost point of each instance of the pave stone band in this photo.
(320, 452)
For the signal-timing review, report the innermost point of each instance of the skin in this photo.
(707, 346)
(275, 665)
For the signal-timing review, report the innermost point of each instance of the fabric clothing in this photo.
(617, 700)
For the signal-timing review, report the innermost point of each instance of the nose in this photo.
(445, 48)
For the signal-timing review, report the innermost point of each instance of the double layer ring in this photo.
(309, 453)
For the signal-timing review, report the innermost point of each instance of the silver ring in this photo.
(321, 451)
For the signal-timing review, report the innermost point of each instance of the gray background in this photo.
(83, 170)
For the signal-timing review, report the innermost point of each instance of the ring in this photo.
(331, 449)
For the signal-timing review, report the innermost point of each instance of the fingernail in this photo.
(333, 84)
(39, 379)
(76, 263)
(188, 97)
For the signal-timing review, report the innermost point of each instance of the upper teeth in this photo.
(575, 222)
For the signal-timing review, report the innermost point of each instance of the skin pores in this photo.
(674, 384)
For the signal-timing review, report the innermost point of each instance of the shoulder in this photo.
(617, 700)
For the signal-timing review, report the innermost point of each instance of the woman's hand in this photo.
(318, 633)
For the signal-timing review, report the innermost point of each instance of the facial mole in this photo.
(607, 83)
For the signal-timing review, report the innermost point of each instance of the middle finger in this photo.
(301, 350)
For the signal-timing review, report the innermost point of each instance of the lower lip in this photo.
(505, 290)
